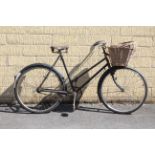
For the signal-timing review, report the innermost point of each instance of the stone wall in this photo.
(21, 46)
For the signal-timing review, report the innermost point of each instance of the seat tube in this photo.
(63, 61)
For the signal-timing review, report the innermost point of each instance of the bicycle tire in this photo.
(109, 102)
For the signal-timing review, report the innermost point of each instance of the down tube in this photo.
(92, 77)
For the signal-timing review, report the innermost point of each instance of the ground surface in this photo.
(88, 117)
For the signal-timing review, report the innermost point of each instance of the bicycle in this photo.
(39, 88)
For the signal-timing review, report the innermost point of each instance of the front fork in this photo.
(114, 79)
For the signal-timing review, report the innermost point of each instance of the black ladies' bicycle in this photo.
(40, 88)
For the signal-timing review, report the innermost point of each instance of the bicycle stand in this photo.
(74, 100)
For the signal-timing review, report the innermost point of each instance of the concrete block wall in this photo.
(21, 46)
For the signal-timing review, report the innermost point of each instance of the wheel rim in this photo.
(30, 98)
(129, 99)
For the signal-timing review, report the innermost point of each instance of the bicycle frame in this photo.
(92, 77)
(106, 59)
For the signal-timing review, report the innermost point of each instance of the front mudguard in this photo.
(112, 69)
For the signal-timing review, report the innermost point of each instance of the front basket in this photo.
(120, 54)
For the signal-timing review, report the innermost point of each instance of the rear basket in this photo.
(120, 54)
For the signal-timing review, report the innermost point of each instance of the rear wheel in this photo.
(28, 94)
(122, 89)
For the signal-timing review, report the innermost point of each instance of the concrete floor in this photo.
(90, 116)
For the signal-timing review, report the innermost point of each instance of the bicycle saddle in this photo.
(56, 49)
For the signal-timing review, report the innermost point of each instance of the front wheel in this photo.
(36, 88)
(122, 90)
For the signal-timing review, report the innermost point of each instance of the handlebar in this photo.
(99, 43)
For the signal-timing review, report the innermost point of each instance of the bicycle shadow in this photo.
(11, 105)
(10, 102)
(7, 108)
(7, 103)
(67, 108)
(62, 109)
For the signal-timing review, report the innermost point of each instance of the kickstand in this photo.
(74, 100)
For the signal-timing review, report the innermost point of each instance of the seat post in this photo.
(63, 61)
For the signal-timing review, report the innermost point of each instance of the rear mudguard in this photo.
(39, 65)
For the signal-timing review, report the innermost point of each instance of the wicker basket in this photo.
(120, 54)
